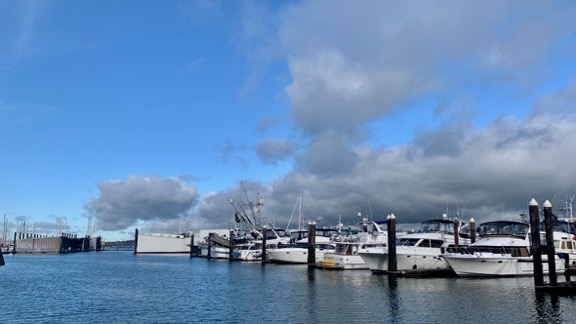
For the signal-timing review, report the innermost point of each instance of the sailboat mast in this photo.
(300, 218)
(4, 230)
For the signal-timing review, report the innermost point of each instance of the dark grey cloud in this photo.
(271, 150)
(122, 203)
(329, 153)
(484, 178)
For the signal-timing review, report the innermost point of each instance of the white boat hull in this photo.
(293, 255)
(407, 258)
(496, 265)
(342, 262)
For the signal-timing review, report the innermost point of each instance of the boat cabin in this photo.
(503, 228)
(437, 226)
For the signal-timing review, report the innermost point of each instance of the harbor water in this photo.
(120, 287)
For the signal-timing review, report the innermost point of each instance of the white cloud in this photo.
(122, 203)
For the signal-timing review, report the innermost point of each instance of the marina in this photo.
(127, 286)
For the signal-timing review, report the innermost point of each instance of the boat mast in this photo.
(4, 230)
(300, 216)
(571, 197)
(256, 221)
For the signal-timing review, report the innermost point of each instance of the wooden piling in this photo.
(392, 260)
(264, 259)
(456, 233)
(567, 269)
(472, 230)
(14, 242)
(209, 256)
(535, 248)
(192, 245)
(231, 245)
(548, 221)
(135, 241)
(311, 244)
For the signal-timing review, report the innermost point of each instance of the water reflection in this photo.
(394, 300)
(547, 308)
(312, 295)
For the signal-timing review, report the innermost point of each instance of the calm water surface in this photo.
(119, 287)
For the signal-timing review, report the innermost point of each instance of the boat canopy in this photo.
(503, 228)
(437, 226)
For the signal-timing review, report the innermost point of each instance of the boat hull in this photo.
(342, 262)
(497, 266)
(407, 258)
(292, 255)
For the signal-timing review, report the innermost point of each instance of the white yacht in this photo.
(503, 250)
(420, 250)
(298, 251)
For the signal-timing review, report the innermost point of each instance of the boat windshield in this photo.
(298, 235)
(437, 225)
(560, 226)
(327, 232)
(503, 228)
(281, 232)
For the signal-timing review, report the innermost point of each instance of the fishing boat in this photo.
(248, 216)
(251, 249)
(415, 251)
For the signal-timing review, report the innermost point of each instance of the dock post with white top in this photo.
(535, 236)
(311, 244)
(548, 220)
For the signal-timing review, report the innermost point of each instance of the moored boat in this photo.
(415, 251)
(503, 250)
(298, 251)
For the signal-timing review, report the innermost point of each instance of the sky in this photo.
(116, 115)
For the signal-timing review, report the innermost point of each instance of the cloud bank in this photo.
(497, 137)
(123, 203)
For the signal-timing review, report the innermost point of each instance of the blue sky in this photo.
(150, 114)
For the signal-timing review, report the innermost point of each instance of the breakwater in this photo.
(65, 243)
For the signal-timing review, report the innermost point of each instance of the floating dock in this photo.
(156, 243)
(165, 243)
